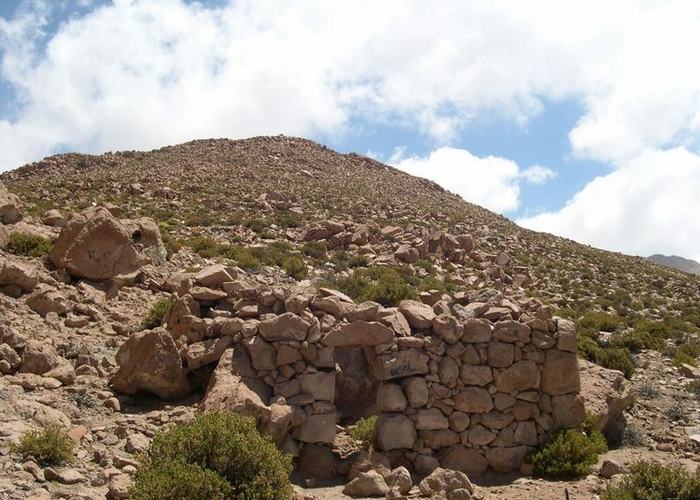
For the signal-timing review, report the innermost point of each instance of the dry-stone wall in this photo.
(467, 383)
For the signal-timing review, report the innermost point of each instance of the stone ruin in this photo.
(466, 383)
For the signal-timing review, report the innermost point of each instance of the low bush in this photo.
(363, 431)
(686, 353)
(315, 249)
(569, 453)
(49, 446)
(633, 437)
(693, 387)
(651, 481)
(379, 284)
(29, 245)
(157, 312)
(217, 456)
(636, 341)
(599, 322)
(616, 359)
(295, 267)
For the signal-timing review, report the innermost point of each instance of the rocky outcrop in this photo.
(149, 361)
(10, 206)
(606, 394)
(96, 245)
(15, 273)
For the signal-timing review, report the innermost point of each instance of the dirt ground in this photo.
(516, 487)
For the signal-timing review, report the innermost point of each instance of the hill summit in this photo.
(676, 262)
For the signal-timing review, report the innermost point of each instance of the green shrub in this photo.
(432, 283)
(217, 456)
(242, 256)
(569, 452)
(637, 340)
(257, 225)
(315, 249)
(358, 261)
(205, 246)
(379, 284)
(616, 359)
(29, 245)
(180, 480)
(363, 431)
(594, 322)
(49, 446)
(587, 347)
(686, 353)
(157, 312)
(273, 254)
(172, 245)
(693, 387)
(666, 329)
(295, 267)
(651, 481)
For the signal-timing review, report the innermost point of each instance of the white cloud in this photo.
(491, 182)
(142, 73)
(648, 205)
(538, 174)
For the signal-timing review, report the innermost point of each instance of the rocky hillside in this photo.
(220, 242)
(676, 262)
(257, 191)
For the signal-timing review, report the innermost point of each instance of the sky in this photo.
(580, 119)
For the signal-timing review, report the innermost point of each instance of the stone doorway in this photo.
(355, 385)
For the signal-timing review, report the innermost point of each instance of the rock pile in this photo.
(466, 383)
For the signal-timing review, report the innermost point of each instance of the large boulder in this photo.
(10, 206)
(149, 361)
(607, 395)
(234, 386)
(96, 245)
(18, 273)
(446, 480)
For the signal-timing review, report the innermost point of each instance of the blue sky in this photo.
(580, 119)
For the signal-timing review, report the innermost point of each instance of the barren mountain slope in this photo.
(290, 213)
(218, 187)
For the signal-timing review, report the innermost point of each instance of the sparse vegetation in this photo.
(48, 446)
(363, 431)
(649, 481)
(633, 437)
(157, 312)
(676, 412)
(379, 284)
(217, 456)
(295, 267)
(569, 453)
(29, 245)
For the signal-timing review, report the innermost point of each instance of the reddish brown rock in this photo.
(521, 376)
(18, 273)
(10, 206)
(418, 315)
(360, 333)
(287, 326)
(149, 361)
(561, 373)
(96, 245)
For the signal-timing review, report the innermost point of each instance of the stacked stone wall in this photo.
(466, 383)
